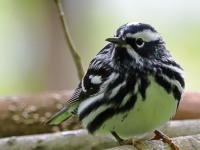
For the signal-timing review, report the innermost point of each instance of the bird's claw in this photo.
(159, 135)
(136, 144)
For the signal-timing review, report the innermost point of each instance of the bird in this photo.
(131, 87)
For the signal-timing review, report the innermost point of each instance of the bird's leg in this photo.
(120, 140)
(159, 135)
(126, 142)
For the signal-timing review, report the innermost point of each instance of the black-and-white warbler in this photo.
(131, 87)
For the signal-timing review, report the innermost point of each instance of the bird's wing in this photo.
(97, 77)
(64, 114)
(93, 83)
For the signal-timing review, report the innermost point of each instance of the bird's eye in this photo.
(139, 42)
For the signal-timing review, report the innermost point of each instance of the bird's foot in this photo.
(136, 144)
(126, 142)
(159, 135)
(121, 141)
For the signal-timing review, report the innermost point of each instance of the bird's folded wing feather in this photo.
(90, 85)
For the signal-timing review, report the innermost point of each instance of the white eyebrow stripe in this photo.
(146, 35)
(133, 23)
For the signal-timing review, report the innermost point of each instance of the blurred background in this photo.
(35, 58)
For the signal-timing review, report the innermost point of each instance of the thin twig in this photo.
(76, 57)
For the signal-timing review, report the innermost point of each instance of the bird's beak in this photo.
(116, 40)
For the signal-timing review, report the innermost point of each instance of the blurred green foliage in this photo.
(30, 44)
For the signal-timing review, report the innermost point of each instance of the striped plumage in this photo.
(131, 87)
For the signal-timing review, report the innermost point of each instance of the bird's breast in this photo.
(146, 115)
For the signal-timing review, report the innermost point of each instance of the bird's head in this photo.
(139, 42)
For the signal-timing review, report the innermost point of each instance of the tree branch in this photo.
(24, 115)
(76, 57)
(189, 107)
(79, 139)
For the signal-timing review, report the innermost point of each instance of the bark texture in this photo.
(25, 115)
(80, 139)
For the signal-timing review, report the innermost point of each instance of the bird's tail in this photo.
(59, 117)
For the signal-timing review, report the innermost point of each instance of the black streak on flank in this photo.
(176, 93)
(168, 87)
(162, 82)
(109, 113)
(103, 100)
(127, 88)
(116, 100)
(124, 117)
(143, 86)
(90, 108)
(173, 75)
